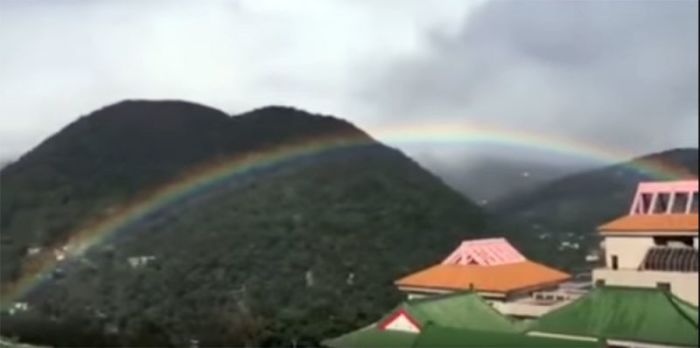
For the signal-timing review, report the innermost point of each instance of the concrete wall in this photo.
(630, 251)
(683, 285)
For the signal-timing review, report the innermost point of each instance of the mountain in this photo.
(569, 209)
(490, 179)
(288, 254)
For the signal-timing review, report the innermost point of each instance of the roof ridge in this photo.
(680, 300)
(509, 320)
(416, 307)
(569, 305)
(673, 298)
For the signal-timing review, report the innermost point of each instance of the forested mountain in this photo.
(294, 253)
(282, 256)
(569, 209)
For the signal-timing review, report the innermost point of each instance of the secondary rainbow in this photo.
(38, 268)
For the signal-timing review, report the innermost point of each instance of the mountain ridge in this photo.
(287, 254)
(333, 229)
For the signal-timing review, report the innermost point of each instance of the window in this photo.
(664, 286)
(646, 202)
(694, 204)
(614, 261)
(662, 200)
(680, 202)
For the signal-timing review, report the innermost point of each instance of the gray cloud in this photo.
(63, 59)
(619, 74)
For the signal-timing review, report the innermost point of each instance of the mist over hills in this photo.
(570, 208)
(491, 178)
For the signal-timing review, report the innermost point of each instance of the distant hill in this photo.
(4, 163)
(569, 209)
(490, 179)
(294, 253)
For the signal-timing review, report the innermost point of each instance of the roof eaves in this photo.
(440, 297)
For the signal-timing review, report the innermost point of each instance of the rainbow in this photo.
(204, 177)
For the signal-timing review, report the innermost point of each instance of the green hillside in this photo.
(289, 255)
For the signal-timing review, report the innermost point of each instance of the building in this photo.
(495, 270)
(436, 337)
(140, 261)
(646, 293)
(623, 317)
(656, 243)
(453, 320)
(465, 310)
(18, 307)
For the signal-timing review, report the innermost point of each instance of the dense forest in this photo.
(286, 256)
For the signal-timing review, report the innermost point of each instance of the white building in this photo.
(140, 261)
(656, 244)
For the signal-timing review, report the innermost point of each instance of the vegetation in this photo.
(10, 343)
(285, 257)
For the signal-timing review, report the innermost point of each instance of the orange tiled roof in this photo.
(652, 222)
(499, 278)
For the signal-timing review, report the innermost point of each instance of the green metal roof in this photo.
(623, 313)
(372, 337)
(434, 337)
(688, 309)
(463, 310)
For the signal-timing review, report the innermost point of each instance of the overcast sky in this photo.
(621, 74)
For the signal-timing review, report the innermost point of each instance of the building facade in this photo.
(656, 244)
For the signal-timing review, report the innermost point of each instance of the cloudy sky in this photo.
(620, 74)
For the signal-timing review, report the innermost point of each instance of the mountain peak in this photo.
(278, 118)
(154, 111)
(126, 103)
